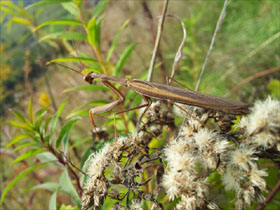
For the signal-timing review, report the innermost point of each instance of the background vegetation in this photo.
(42, 105)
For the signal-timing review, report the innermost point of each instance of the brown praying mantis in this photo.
(150, 90)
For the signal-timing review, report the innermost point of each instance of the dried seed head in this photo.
(243, 158)
(263, 124)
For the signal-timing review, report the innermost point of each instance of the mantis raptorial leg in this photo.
(108, 107)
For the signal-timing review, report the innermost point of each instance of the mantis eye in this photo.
(88, 78)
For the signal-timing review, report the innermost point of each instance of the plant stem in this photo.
(160, 28)
(269, 197)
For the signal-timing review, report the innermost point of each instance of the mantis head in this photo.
(88, 78)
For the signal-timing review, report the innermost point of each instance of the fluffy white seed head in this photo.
(262, 126)
(243, 158)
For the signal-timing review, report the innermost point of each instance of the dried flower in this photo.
(262, 126)
(243, 158)
(136, 204)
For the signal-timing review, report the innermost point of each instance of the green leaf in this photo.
(18, 115)
(123, 58)
(92, 31)
(20, 20)
(46, 157)
(66, 185)
(72, 59)
(78, 113)
(58, 22)
(30, 111)
(46, 127)
(24, 126)
(98, 31)
(78, 3)
(52, 203)
(71, 8)
(45, 3)
(115, 41)
(274, 88)
(29, 153)
(51, 186)
(99, 7)
(27, 144)
(56, 117)
(40, 113)
(87, 88)
(64, 134)
(16, 139)
(89, 61)
(16, 180)
(97, 102)
(65, 36)
(39, 118)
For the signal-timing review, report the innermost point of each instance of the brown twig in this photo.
(252, 77)
(269, 196)
(149, 18)
(160, 28)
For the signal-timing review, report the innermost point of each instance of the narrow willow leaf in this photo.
(27, 144)
(8, 11)
(24, 126)
(39, 116)
(47, 157)
(87, 88)
(92, 31)
(21, 21)
(40, 113)
(52, 203)
(72, 59)
(46, 127)
(98, 9)
(16, 139)
(18, 115)
(58, 22)
(64, 133)
(123, 58)
(29, 153)
(30, 111)
(51, 186)
(38, 124)
(66, 185)
(115, 41)
(45, 3)
(16, 180)
(19, 11)
(71, 8)
(65, 36)
(56, 117)
(98, 31)
(78, 113)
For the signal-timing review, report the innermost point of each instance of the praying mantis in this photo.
(150, 90)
